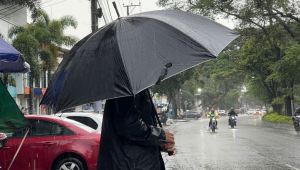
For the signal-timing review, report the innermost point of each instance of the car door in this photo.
(45, 138)
(23, 160)
(7, 153)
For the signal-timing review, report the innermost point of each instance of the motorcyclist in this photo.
(297, 113)
(231, 113)
(210, 115)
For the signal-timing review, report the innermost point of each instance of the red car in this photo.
(52, 143)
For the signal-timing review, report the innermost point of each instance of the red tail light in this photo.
(198, 113)
(97, 140)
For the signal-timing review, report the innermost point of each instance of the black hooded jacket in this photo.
(232, 113)
(130, 138)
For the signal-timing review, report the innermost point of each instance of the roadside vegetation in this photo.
(276, 118)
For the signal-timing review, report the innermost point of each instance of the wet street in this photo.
(252, 144)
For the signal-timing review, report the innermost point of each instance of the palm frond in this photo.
(15, 30)
(70, 40)
(68, 20)
(1, 35)
(40, 15)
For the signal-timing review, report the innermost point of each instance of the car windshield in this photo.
(80, 125)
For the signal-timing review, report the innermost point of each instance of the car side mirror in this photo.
(3, 140)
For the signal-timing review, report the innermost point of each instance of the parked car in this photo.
(238, 111)
(53, 143)
(222, 112)
(190, 114)
(263, 111)
(250, 111)
(93, 120)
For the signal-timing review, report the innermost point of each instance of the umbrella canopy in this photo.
(11, 118)
(11, 60)
(133, 53)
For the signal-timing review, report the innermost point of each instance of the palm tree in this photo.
(26, 44)
(50, 37)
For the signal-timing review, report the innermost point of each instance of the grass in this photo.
(275, 118)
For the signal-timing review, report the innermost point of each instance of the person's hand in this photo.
(169, 136)
(169, 147)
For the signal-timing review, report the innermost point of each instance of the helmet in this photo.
(212, 109)
(297, 109)
(231, 108)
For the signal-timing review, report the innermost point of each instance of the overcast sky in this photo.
(80, 9)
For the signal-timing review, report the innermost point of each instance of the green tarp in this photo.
(11, 118)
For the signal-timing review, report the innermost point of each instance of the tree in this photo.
(26, 44)
(171, 86)
(273, 23)
(223, 77)
(50, 36)
(33, 5)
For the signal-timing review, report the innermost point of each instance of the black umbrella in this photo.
(133, 53)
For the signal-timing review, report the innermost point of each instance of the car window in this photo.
(42, 128)
(85, 120)
(80, 125)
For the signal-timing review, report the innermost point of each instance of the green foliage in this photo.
(268, 50)
(1, 35)
(275, 118)
(33, 5)
(10, 79)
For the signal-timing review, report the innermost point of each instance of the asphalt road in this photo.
(252, 144)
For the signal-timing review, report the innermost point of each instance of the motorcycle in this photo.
(213, 126)
(297, 124)
(232, 121)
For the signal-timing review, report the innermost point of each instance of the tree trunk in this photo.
(277, 108)
(5, 80)
(174, 105)
(288, 105)
(31, 95)
(45, 78)
(49, 76)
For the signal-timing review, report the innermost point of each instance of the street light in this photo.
(199, 90)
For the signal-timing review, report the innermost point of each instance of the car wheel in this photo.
(196, 117)
(69, 163)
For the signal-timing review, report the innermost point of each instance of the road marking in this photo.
(291, 167)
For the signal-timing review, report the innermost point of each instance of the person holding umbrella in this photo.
(130, 137)
(122, 59)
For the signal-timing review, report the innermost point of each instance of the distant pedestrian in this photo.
(26, 111)
(23, 110)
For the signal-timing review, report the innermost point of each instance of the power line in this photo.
(54, 3)
(102, 12)
(109, 10)
(8, 7)
(11, 13)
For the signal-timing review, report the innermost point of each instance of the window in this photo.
(85, 120)
(80, 125)
(42, 128)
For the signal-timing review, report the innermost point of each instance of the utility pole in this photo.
(128, 6)
(94, 15)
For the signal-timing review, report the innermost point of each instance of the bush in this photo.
(275, 118)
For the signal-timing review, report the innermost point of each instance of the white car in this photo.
(93, 120)
(222, 112)
(250, 111)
